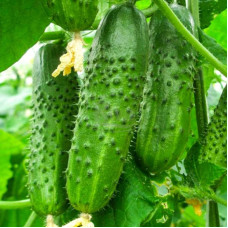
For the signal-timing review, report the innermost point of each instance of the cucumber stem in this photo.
(189, 37)
(212, 214)
(56, 35)
(9, 205)
(193, 6)
(200, 104)
(31, 219)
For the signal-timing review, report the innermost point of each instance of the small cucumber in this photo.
(167, 101)
(108, 107)
(54, 109)
(72, 15)
(214, 146)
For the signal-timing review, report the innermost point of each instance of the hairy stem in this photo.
(189, 37)
(31, 219)
(9, 205)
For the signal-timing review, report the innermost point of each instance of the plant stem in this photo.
(189, 37)
(193, 6)
(8, 205)
(31, 219)
(56, 35)
(212, 214)
(200, 104)
(149, 11)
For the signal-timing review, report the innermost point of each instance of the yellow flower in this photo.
(73, 57)
(197, 205)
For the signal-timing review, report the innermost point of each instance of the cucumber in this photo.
(108, 107)
(214, 145)
(167, 101)
(72, 15)
(54, 108)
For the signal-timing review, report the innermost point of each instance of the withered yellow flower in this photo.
(73, 57)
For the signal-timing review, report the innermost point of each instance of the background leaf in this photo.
(209, 9)
(135, 199)
(9, 145)
(213, 46)
(21, 24)
(201, 175)
(218, 29)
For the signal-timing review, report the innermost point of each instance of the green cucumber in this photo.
(167, 101)
(108, 107)
(214, 145)
(54, 109)
(72, 15)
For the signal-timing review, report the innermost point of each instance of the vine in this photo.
(31, 219)
(8, 205)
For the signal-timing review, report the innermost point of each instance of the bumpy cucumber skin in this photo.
(214, 146)
(54, 110)
(72, 15)
(109, 103)
(167, 100)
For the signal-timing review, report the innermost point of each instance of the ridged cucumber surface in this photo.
(167, 100)
(214, 148)
(72, 15)
(109, 104)
(54, 110)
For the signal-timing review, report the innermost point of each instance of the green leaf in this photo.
(162, 214)
(22, 22)
(210, 77)
(9, 145)
(213, 46)
(209, 9)
(143, 4)
(134, 202)
(203, 175)
(218, 29)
